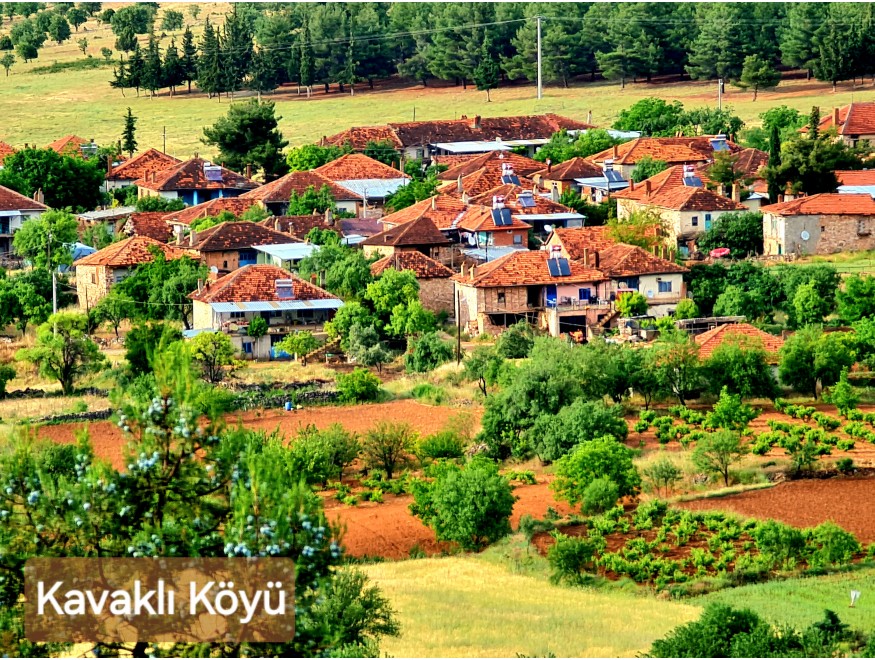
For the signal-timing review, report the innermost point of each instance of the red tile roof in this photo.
(451, 160)
(190, 176)
(493, 161)
(855, 119)
(142, 165)
(13, 201)
(69, 145)
(257, 283)
(667, 190)
(298, 182)
(576, 168)
(512, 195)
(480, 182)
(525, 268)
(443, 210)
(622, 260)
(236, 205)
(417, 133)
(577, 239)
(297, 226)
(422, 266)
(351, 167)
(751, 161)
(5, 150)
(150, 224)
(479, 218)
(742, 332)
(825, 204)
(237, 236)
(420, 231)
(676, 150)
(856, 177)
(129, 252)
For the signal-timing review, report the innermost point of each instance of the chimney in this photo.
(475, 123)
(313, 278)
(498, 201)
(323, 141)
(589, 117)
(554, 193)
(595, 259)
(586, 256)
(329, 218)
(780, 198)
(835, 117)
(463, 269)
(178, 231)
(472, 271)
(549, 166)
(192, 238)
(736, 193)
(434, 203)
(459, 184)
(39, 197)
(248, 171)
(108, 166)
(647, 187)
(152, 175)
(200, 286)
(631, 185)
(465, 198)
(277, 224)
(615, 152)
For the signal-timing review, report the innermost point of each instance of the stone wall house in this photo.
(194, 181)
(140, 166)
(230, 245)
(820, 224)
(420, 235)
(671, 150)
(853, 123)
(435, 286)
(97, 273)
(274, 196)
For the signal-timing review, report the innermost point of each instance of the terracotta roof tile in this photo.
(743, 332)
(421, 231)
(257, 283)
(676, 150)
(358, 137)
(236, 205)
(825, 204)
(480, 182)
(142, 165)
(69, 145)
(422, 266)
(493, 162)
(237, 236)
(854, 119)
(443, 210)
(575, 168)
(150, 224)
(525, 268)
(479, 218)
(451, 160)
(351, 167)
(512, 195)
(13, 201)
(360, 226)
(296, 225)
(129, 252)
(577, 239)
(668, 190)
(856, 177)
(5, 150)
(298, 182)
(751, 161)
(190, 176)
(622, 260)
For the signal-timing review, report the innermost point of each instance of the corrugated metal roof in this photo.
(275, 305)
(850, 190)
(372, 188)
(472, 147)
(288, 251)
(491, 253)
(549, 216)
(103, 214)
(601, 183)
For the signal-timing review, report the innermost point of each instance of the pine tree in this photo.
(774, 163)
(758, 73)
(307, 72)
(348, 77)
(209, 64)
(262, 74)
(189, 58)
(619, 64)
(129, 140)
(838, 41)
(152, 74)
(236, 49)
(135, 69)
(719, 49)
(486, 73)
(120, 78)
(173, 71)
(798, 44)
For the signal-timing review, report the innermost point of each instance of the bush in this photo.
(845, 465)
(444, 444)
(570, 557)
(470, 505)
(358, 385)
(834, 546)
(582, 421)
(144, 340)
(601, 494)
(429, 393)
(427, 353)
(257, 328)
(387, 446)
(516, 341)
(662, 475)
(601, 458)
(7, 373)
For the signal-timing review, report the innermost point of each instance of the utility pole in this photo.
(720, 94)
(540, 84)
(164, 150)
(458, 327)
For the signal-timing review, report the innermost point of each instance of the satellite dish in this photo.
(805, 235)
(214, 269)
(548, 228)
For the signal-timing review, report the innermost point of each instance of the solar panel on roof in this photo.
(564, 268)
(501, 217)
(693, 181)
(613, 176)
(526, 201)
(511, 178)
(553, 267)
(506, 217)
(213, 172)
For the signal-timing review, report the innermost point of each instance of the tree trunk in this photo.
(259, 96)
(308, 91)
(189, 86)
(807, 74)
(755, 90)
(834, 82)
(327, 88)
(488, 99)
(340, 87)
(370, 83)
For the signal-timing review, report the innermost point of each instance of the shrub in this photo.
(426, 353)
(58, 460)
(845, 465)
(717, 452)
(429, 393)
(387, 446)
(662, 475)
(257, 328)
(145, 340)
(580, 422)
(781, 545)
(358, 385)
(526, 477)
(709, 637)
(470, 505)
(833, 545)
(601, 458)
(516, 341)
(570, 557)
(443, 444)
(600, 495)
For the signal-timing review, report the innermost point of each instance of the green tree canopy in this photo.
(597, 459)
(33, 243)
(248, 135)
(742, 233)
(66, 181)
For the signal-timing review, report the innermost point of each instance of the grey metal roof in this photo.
(472, 146)
(549, 216)
(601, 183)
(275, 305)
(288, 251)
(372, 188)
(865, 190)
(105, 214)
(493, 252)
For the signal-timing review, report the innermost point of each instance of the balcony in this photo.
(573, 305)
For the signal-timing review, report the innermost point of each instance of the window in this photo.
(247, 347)
(695, 221)
(238, 315)
(94, 278)
(707, 217)
(517, 239)
(225, 265)
(501, 298)
(665, 286)
(584, 295)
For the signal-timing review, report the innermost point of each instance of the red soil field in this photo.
(109, 441)
(389, 530)
(846, 501)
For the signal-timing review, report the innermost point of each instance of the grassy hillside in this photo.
(469, 606)
(38, 108)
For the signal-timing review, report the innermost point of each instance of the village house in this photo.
(495, 225)
(111, 218)
(97, 273)
(15, 209)
(601, 187)
(352, 231)
(5, 150)
(579, 242)
(672, 151)
(274, 196)
(285, 301)
(444, 211)
(370, 180)
(856, 181)
(140, 166)
(418, 140)
(494, 174)
(742, 333)
(194, 181)
(853, 123)
(494, 163)
(231, 245)
(148, 223)
(73, 145)
(679, 196)
(284, 255)
(180, 221)
(435, 286)
(419, 235)
(820, 224)
(564, 176)
(542, 213)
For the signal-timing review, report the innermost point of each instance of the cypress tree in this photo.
(349, 70)
(208, 67)
(173, 72)
(135, 70)
(120, 79)
(152, 74)
(486, 73)
(307, 72)
(774, 164)
(129, 140)
(189, 58)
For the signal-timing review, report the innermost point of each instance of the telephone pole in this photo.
(540, 83)
(720, 94)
